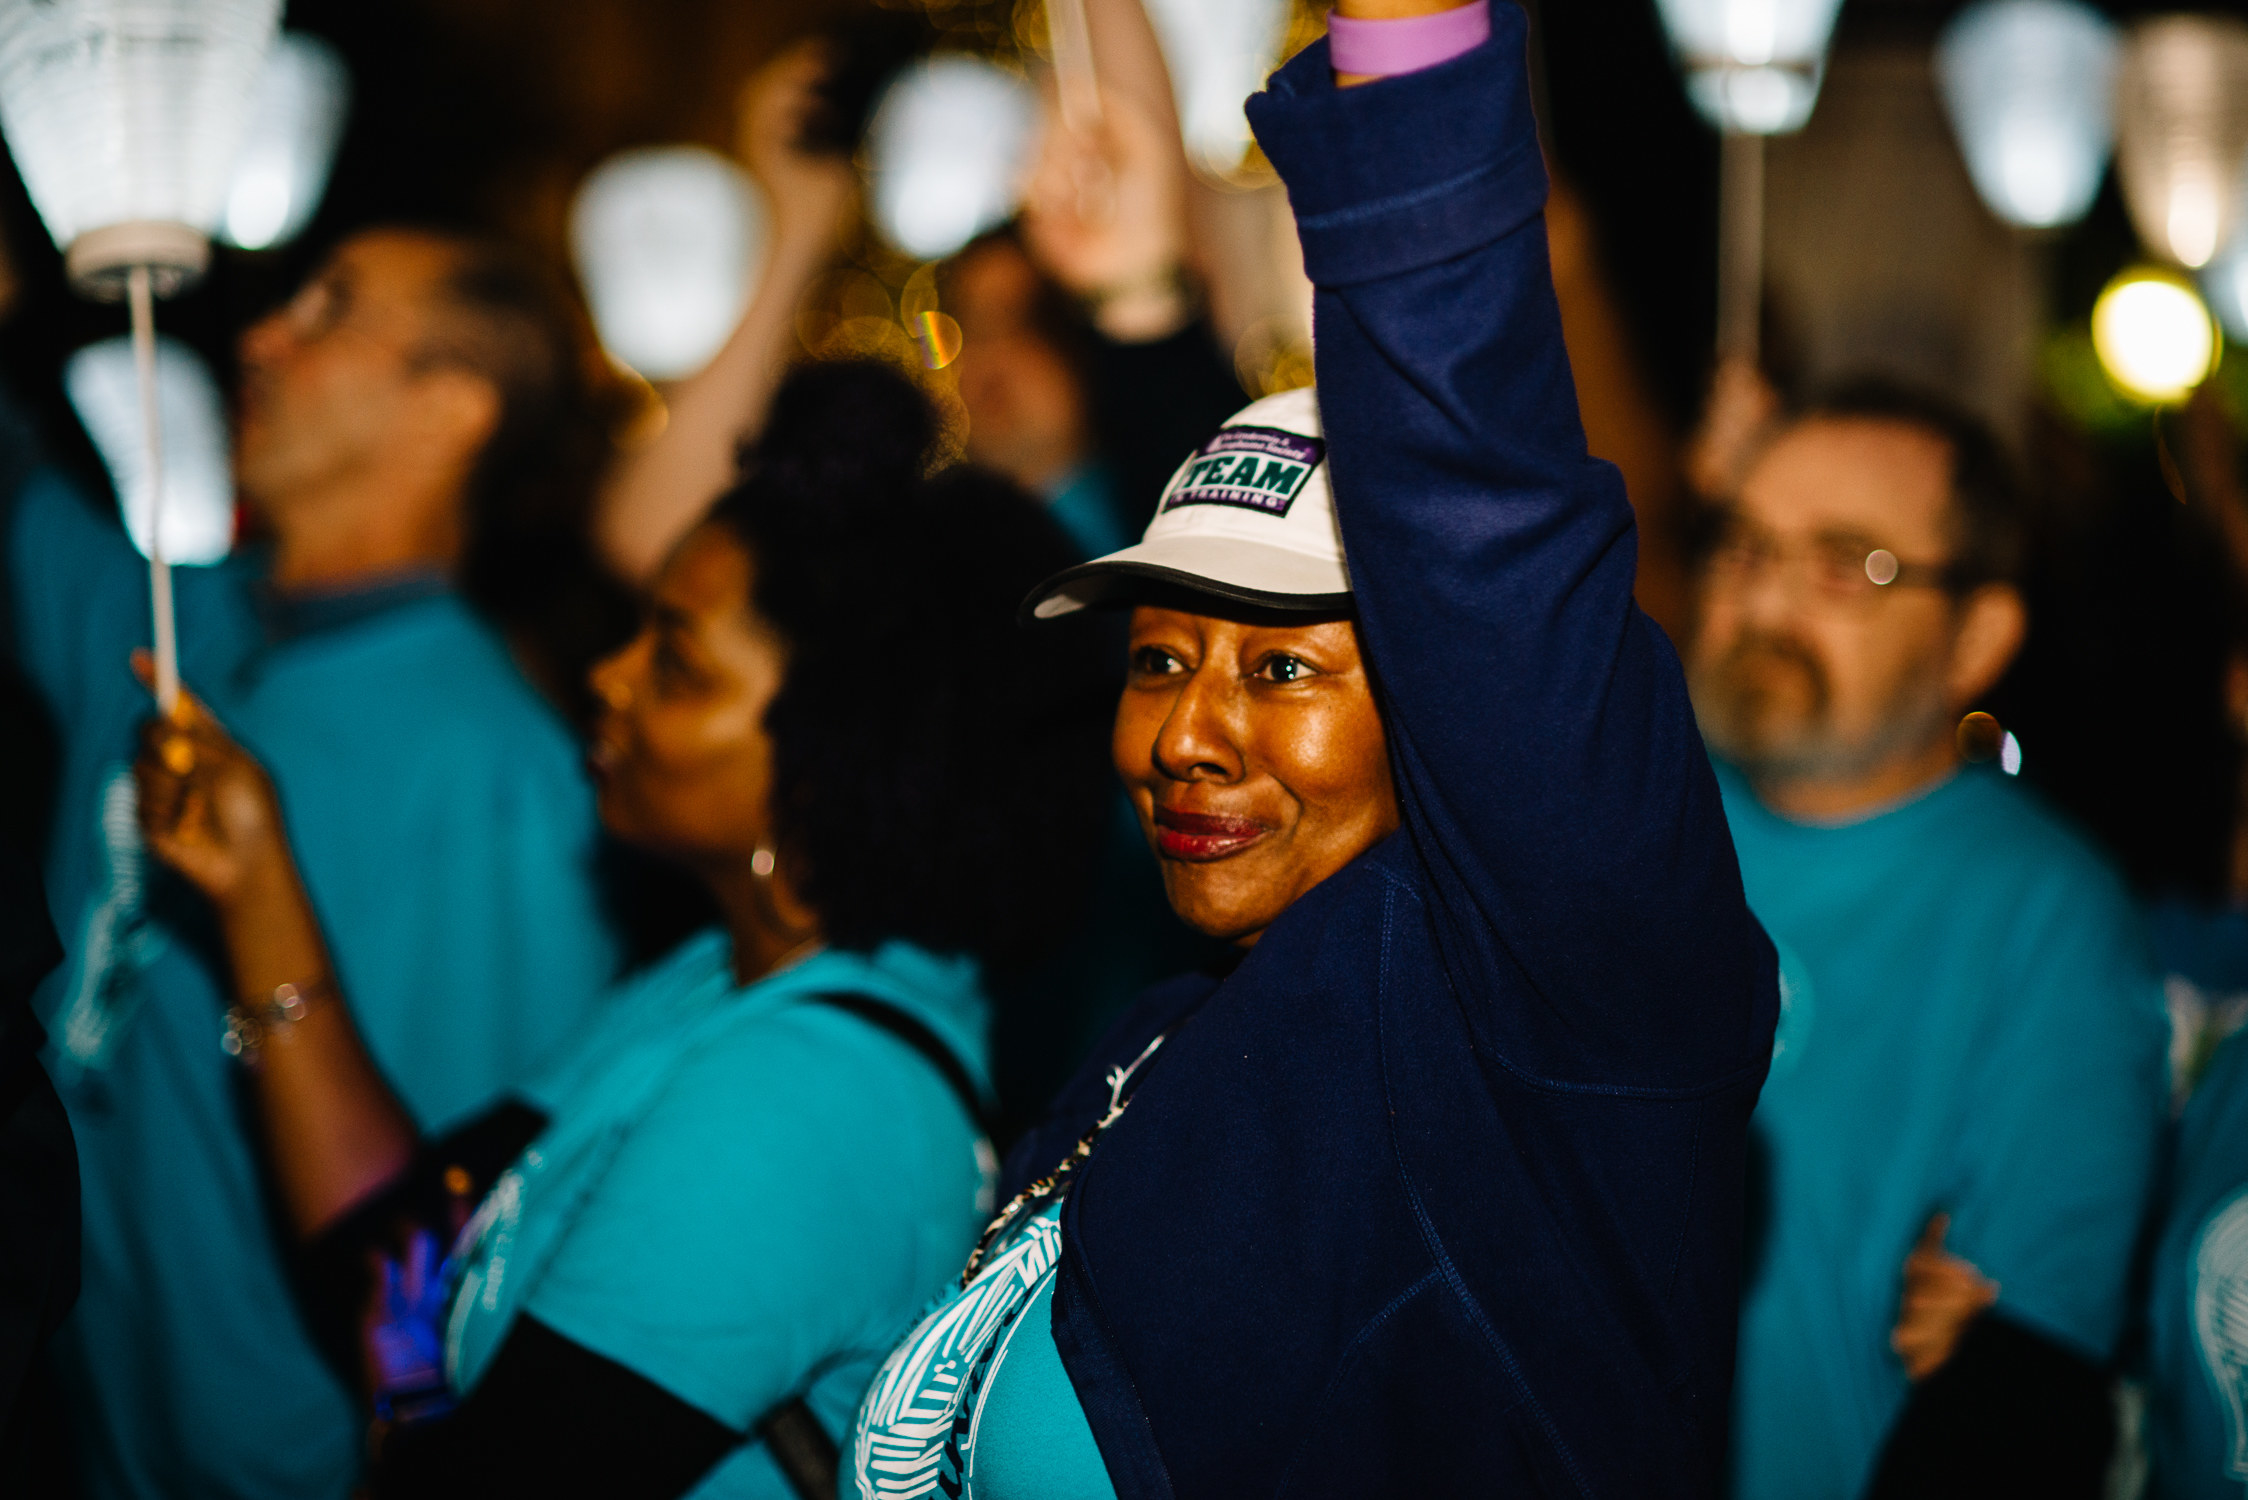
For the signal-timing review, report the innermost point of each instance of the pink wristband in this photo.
(1386, 48)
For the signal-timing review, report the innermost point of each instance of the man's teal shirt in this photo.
(447, 837)
(1971, 1024)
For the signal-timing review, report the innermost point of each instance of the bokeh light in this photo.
(2225, 284)
(2029, 86)
(296, 119)
(2181, 126)
(1752, 66)
(938, 337)
(668, 243)
(1218, 52)
(2155, 338)
(104, 389)
(946, 153)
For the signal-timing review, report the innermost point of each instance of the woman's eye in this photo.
(670, 666)
(1153, 661)
(1283, 669)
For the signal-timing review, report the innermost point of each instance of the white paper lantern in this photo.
(2181, 104)
(1752, 66)
(296, 120)
(198, 469)
(947, 151)
(124, 117)
(1219, 52)
(668, 243)
(2030, 87)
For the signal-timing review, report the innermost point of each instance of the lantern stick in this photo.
(1740, 246)
(1074, 79)
(142, 298)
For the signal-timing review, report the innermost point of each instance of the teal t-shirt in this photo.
(1084, 504)
(1971, 1023)
(447, 836)
(2197, 1319)
(741, 1193)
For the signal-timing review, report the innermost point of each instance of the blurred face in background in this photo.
(339, 386)
(680, 750)
(1803, 668)
(1026, 410)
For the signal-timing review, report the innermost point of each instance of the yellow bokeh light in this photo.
(2154, 335)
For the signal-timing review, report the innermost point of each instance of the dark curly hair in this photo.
(940, 774)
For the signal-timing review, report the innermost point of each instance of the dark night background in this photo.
(487, 112)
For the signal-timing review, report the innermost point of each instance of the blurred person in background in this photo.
(1435, 1188)
(1956, 1142)
(2196, 1338)
(424, 442)
(39, 1232)
(415, 423)
(766, 1155)
(1086, 362)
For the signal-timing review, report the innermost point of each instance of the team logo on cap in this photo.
(1255, 468)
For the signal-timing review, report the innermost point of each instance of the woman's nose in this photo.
(1197, 741)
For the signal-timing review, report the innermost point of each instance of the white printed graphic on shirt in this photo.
(918, 1423)
(2220, 1318)
(118, 944)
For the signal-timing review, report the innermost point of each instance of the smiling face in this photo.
(681, 752)
(1255, 756)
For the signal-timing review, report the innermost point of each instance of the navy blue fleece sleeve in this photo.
(1550, 775)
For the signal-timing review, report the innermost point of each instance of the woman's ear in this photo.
(1993, 622)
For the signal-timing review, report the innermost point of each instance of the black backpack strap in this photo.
(806, 1456)
(908, 1029)
(802, 1450)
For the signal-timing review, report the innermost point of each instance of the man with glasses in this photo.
(1955, 1143)
(407, 422)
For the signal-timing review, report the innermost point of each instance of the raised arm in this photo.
(1549, 772)
(654, 495)
(333, 1129)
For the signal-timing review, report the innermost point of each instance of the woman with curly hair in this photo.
(767, 1152)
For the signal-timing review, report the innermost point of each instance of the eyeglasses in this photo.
(1840, 567)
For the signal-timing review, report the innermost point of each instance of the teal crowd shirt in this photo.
(2197, 1321)
(1971, 1024)
(446, 834)
(743, 1195)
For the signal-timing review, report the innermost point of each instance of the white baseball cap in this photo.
(1249, 518)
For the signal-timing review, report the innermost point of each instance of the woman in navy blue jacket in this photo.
(1440, 1189)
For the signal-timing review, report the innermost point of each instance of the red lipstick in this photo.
(1203, 836)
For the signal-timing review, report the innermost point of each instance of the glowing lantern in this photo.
(2182, 132)
(1219, 52)
(947, 151)
(668, 243)
(296, 119)
(125, 117)
(2153, 335)
(1752, 66)
(198, 504)
(2030, 88)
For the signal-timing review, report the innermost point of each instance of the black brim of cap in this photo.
(1111, 585)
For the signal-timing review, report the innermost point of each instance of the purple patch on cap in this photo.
(1255, 468)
